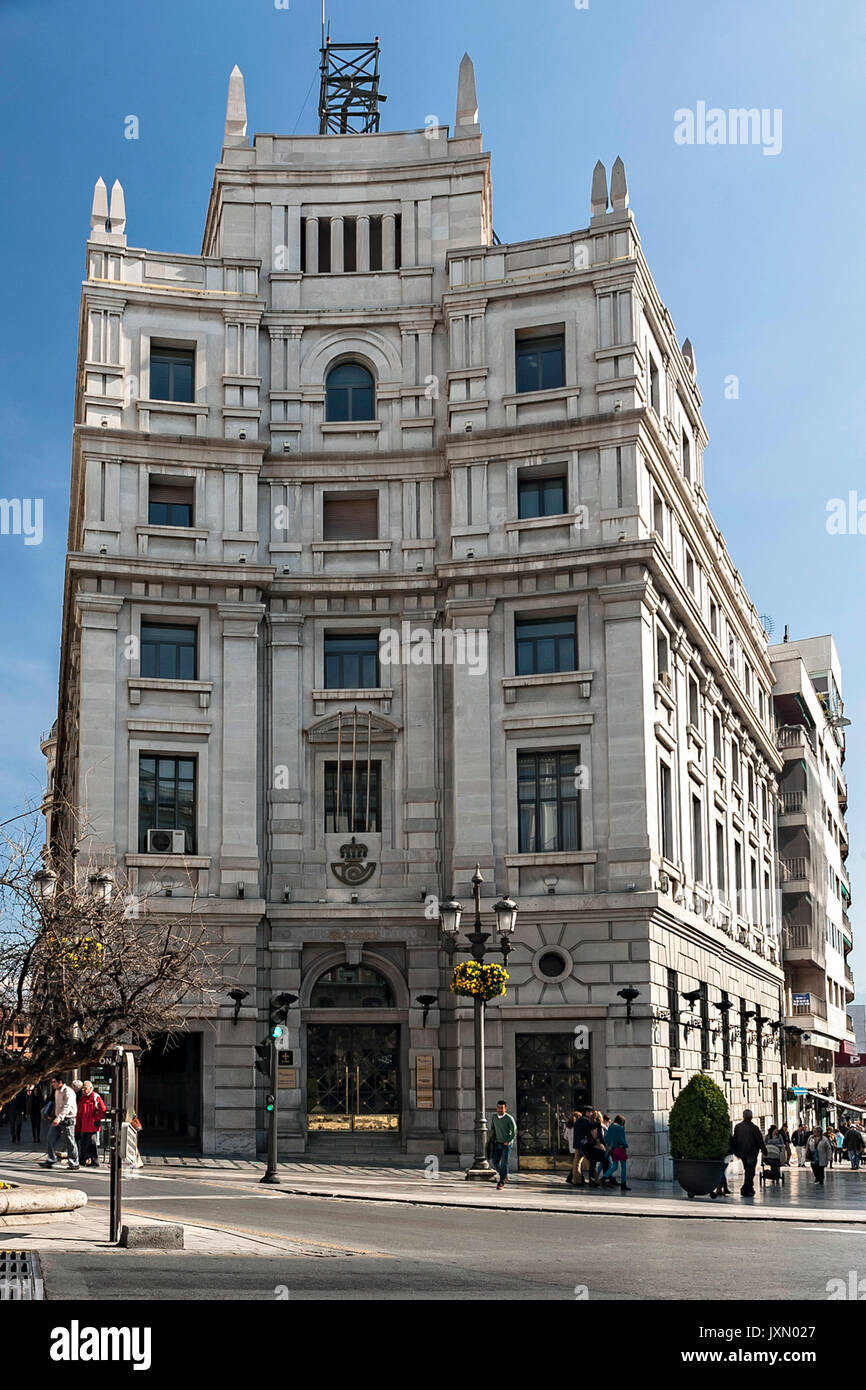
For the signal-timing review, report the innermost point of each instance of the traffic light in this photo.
(278, 1012)
(269, 1104)
(263, 1058)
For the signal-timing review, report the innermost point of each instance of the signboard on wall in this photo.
(424, 1083)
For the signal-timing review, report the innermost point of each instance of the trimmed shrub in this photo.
(700, 1123)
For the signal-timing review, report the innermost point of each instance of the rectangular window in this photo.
(735, 762)
(687, 458)
(726, 1033)
(548, 801)
(750, 778)
(655, 395)
(753, 884)
(717, 738)
(544, 647)
(738, 876)
(666, 810)
(714, 619)
(697, 839)
(694, 703)
(352, 661)
(674, 1020)
(168, 653)
(765, 802)
(168, 505)
(540, 363)
(704, 1006)
(166, 798)
(353, 811)
(662, 655)
(721, 859)
(658, 516)
(350, 518)
(744, 1038)
(690, 573)
(172, 374)
(540, 496)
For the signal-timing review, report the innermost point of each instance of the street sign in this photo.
(799, 1090)
(801, 999)
(287, 1077)
(285, 1058)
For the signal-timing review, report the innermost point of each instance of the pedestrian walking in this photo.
(799, 1140)
(854, 1144)
(62, 1125)
(596, 1153)
(748, 1143)
(91, 1110)
(786, 1139)
(17, 1109)
(617, 1148)
(840, 1145)
(582, 1132)
(35, 1102)
(504, 1129)
(820, 1154)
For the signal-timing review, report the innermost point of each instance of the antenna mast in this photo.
(349, 99)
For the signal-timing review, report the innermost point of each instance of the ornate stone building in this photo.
(389, 553)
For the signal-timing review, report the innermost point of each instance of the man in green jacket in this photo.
(504, 1130)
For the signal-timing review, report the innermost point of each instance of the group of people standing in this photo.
(599, 1147)
(73, 1114)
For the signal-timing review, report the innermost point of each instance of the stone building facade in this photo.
(384, 531)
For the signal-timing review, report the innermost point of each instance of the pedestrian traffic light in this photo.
(269, 1104)
(279, 1012)
(263, 1058)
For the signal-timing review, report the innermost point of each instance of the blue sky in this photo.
(758, 257)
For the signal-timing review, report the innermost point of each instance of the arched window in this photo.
(351, 987)
(350, 393)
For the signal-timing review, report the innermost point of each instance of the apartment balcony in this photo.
(850, 987)
(794, 875)
(793, 739)
(792, 804)
(802, 942)
(808, 1011)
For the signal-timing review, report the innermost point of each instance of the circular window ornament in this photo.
(552, 964)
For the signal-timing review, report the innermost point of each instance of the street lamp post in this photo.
(506, 917)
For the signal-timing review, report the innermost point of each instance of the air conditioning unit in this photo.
(165, 842)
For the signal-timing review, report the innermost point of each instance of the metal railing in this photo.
(815, 1007)
(792, 803)
(792, 869)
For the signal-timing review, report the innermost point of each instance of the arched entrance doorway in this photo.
(353, 1060)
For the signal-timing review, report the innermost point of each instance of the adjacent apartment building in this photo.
(390, 554)
(813, 878)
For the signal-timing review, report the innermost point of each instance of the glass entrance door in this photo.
(353, 1077)
(553, 1079)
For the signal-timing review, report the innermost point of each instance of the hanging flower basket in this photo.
(480, 981)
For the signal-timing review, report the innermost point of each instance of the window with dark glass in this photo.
(349, 393)
(674, 1019)
(541, 496)
(662, 654)
(168, 505)
(655, 399)
(694, 703)
(687, 457)
(666, 810)
(351, 987)
(548, 801)
(541, 363)
(704, 1006)
(726, 1031)
(353, 804)
(543, 647)
(168, 653)
(352, 661)
(744, 1037)
(697, 839)
(166, 798)
(721, 857)
(172, 374)
(717, 738)
(350, 518)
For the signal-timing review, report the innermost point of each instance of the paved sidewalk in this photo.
(842, 1199)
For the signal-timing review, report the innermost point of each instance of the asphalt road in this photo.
(327, 1248)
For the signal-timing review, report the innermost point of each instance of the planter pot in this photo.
(699, 1177)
